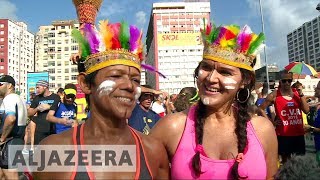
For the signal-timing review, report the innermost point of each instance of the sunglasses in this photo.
(286, 80)
(72, 96)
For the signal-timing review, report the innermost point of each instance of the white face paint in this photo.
(205, 100)
(200, 72)
(229, 83)
(138, 93)
(106, 87)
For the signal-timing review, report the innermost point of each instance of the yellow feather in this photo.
(106, 34)
(254, 37)
(223, 42)
(234, 29)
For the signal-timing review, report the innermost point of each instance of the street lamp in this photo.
(318, 7)
(264, 48)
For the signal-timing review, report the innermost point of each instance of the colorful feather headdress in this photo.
(232, 46)
(114, 44)
(87, 10)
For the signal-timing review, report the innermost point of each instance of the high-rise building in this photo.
(174, 44)
(54, 47)
(16, 52)
(304, 44)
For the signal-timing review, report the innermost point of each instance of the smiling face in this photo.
(115, 89)
(218, 83)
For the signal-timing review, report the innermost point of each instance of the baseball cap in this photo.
(8, 79)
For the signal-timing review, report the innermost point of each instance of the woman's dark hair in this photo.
(184, 98)
(242, 117)
(89, 79)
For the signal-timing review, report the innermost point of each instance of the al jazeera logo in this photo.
(65, 158)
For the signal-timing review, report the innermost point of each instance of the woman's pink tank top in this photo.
(253, 165)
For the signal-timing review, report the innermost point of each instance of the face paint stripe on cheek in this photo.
(137, 93)
(106, 87)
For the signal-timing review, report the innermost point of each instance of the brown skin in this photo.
(107, 124)
(219, 138)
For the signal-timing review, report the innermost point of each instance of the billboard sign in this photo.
(32, 79)
(179, 39)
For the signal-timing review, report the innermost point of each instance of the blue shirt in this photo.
(317, 135)
(65, 110)
(267, 110)
(142, 120)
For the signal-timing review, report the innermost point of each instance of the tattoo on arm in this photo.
(6, 131)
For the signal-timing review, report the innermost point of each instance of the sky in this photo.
(280, 16)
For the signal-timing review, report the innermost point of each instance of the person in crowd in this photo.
(216, 138)
(270, 109)
(60, 93)
(40, 107)
(186, 98)
(13, 113)
(289, 104)
(158, 105)
(110, 77)
(143, 118)
(299, 167)
(64, 114)
(315, 126)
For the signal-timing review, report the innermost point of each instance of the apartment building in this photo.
(16, 52)
(174, 44)
(304, 45)
(54, 47)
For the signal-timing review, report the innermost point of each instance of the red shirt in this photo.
(290, 114)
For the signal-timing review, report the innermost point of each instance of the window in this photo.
(74, 69)
(66, 78)
(52, 71)
(1, 39)
(1, 32)
(66, 48)
(51, 85)
(66, 70)
(1, 60)
(74, 48)
(73, 77)
(1, 25)
(1, 67)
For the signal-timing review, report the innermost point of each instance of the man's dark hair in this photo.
(60, 90)
(70, 86)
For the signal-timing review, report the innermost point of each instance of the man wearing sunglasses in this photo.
(13, 113)
(64, 113)
(288, 104)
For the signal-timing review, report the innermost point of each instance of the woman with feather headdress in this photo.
(110, 78)
(217, 138)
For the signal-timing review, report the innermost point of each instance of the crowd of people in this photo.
(212, 131)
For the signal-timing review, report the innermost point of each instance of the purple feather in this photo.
(92, 38)
(223, 31)
(152, 69)
(134, 36)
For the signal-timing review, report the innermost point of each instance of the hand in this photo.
(306, 128)
(64, 121)
(43, 107)
(74, 58)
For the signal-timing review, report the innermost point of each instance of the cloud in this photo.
(141, 17)
(8, 10)
(282, 17)
(112, 8)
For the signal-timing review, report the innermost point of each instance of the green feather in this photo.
(256, 43)
(215, 34)
(83, 43)
(124, 36)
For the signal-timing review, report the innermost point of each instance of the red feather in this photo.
(229, 35)
(208, 30)
(246, 42)
(115, 39)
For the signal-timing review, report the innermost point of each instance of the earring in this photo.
(243, 95)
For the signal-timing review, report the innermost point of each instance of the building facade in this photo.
(304, 45)
(54, 47)
(16, 52)
(174, 45)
